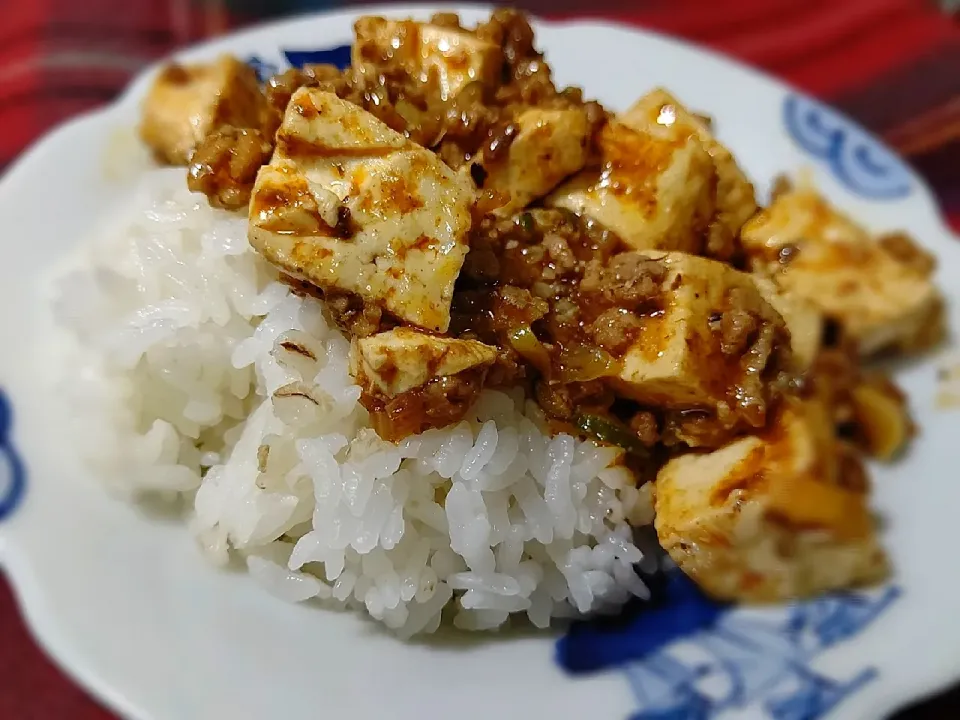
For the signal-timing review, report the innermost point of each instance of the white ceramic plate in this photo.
(125, 603)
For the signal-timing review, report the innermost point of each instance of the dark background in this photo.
(894, 65)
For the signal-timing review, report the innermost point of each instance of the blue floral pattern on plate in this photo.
(339, 56)
(855, 158)
(13, 475)
(690, 658)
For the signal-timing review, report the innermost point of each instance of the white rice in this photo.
(182, 387)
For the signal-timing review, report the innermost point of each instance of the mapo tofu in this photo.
(468, 224)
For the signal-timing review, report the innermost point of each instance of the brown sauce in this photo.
(560, 297)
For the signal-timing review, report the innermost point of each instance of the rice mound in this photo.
(198, 373)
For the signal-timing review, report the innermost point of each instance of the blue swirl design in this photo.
(263, 68)
(339, 56)
(687, 657)
(856, 158)
(13, 475)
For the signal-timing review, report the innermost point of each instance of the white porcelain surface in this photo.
(127, 606)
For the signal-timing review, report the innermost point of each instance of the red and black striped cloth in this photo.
(894, 65)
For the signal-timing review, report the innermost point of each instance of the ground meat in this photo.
(482, 265)
(832, 378)
(514, 307)
(615, 330)
(766, 378)
(511, 30)
(559, 252)
(481, 118)
(499, 139)
(738, 324)
(560, 300)
(225, 164)
(543, 253)
(852, 475)
(469, 121)
(353, 314)
(644, 424)
(442, 401)
(628, 280)
(754, 337)
(280, 87)
(698, 428)
(563, 401)
(509, 370)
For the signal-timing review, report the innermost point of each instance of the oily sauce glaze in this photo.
(478, 119)
(559, 296)
(564, 301)
(470, 225)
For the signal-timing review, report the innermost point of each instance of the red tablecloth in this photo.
(894, 65)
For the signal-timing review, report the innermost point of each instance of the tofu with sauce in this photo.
(771, 516)
(655, 188)
(348, 203)
(735, 198)
(186, 102)
(412, 381)
(666, 183)
(803, 319)
(550, 145)
(396, 361)
(882, 299)
(454, 57)
(676, 360)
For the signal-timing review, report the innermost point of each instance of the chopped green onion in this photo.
(528, 345)
(526, 222)
(612, 432)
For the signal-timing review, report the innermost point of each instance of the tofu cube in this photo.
(770, 516)
(676, 360)
(803, 319)
(186, 102)
(394, 362)
(412, 381)
(880, 299)
(455, 58)
(348, 203)
(666, 183)
(549, 146)
(735, 200)
(655, 188)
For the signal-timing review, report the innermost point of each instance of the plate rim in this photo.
(23, 578)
